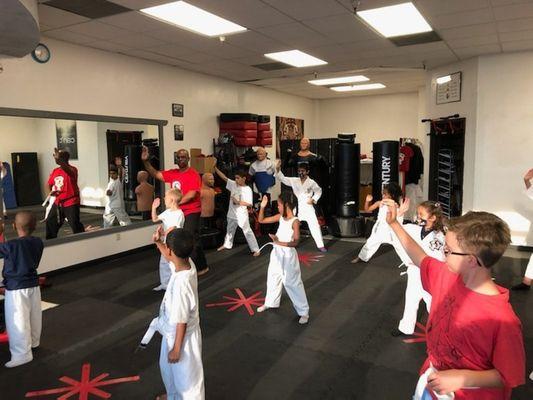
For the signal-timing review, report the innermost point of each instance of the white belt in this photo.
(422, 383)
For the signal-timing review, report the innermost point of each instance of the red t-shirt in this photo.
(468, 330)
(185, 181)
(406, 153)
(66, 185)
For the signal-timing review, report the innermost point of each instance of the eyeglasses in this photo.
(447, 252)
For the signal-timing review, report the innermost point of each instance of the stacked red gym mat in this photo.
(247, 129)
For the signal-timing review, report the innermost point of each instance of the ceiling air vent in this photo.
(417, 38)
(88, 8)
(272, 66)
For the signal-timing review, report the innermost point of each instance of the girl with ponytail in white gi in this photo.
(428, 232)
(284, 267)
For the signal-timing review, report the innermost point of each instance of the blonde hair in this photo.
(174, 194)
(482, 233)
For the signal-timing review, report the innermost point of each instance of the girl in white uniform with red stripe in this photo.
(284, 267)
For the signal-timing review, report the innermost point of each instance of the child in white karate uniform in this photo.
(23, 296)
(381, 232)
(114, 209)
(241, 197)
(308, 193)
(428, 232)
(528, 276)
(284, 267)
(180, 359)
(172, 217)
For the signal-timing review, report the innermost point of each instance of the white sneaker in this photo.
(304, 319)
(20, 361)
(262, 308)
(159, 288)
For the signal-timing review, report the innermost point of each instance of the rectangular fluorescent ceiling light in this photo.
(444, 79)
(351, 88)
(398, 20)
(187, 16)
(343, 79)
(296, 58)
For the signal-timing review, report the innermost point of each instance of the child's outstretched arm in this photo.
(368, 207)
(261, 218)
(221, 174)
(413, 250)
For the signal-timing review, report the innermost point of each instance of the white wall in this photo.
(90, 81)
(372, 118)
(505, 140)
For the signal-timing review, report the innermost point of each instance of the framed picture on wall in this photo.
(177, 110)
(288, 129)
(449, 88)
(178, 132)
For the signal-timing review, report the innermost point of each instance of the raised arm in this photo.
(413, 250)
(145, 157)
(527, 178)
(155, 204)
(221, 174)
(268, 220)
(283, 179)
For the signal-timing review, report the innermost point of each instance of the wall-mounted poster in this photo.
(177, 110)
(449, 89)
(67, 137)
(288, 129)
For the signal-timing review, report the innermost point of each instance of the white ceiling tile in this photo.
(198, 58)
(137, 41)
(518, 46)
(496, 3)
(355, 47)
(248, 13)
(134, 21)
(513, 25)
(426, 47)
(467, 31)
(333, 53)
(138, 4)
(107, 45)
(468, 52)
(256, 42)
(56, 18)
(150, 56)
(516, 36)
(170, 50)
(295, 35)
(473, 41)
(439, 7)
(342, 28)
(307, 9)
(98, 30)
(515, 11)
(461, 19)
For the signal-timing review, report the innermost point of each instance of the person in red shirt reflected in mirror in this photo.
(63, 186)
(475, 346)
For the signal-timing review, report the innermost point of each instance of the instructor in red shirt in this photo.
(63, 183)
(187, 180)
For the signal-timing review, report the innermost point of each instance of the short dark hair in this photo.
(64, 155)
(240, 171)
(304, 165)
(394, 190)
(113, 168)
(181, 242)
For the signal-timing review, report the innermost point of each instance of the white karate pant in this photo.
(306, 212)
(414, 293)
(381, 233)
(184, 379)
(244, 224)
(529, 269)
(23, 321)
(284, 271)
(165, 271)
(116, 213)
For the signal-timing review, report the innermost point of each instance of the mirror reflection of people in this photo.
(63, 181)
(145, 195)
(188, 180)
(3, 174)
(308, 193)
(114, 209)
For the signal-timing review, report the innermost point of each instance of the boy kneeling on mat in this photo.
(474, 339)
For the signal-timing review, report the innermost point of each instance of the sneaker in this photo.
(262, 308)
(304, 319)
(521, 286)
(20, 361)
(159, 288)
(323, 250)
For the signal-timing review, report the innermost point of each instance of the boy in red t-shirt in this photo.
(474, 339)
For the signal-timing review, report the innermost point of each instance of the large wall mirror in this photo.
(114, 193)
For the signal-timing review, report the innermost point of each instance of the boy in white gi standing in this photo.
(308, 193)
(114, 209)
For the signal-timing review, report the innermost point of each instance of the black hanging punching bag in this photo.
(132, 165)
(385, 165)
(347, 177)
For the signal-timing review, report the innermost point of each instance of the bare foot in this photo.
(204, 271)
(161, 397)
(221, 248)
(256, 254)
(355, 260)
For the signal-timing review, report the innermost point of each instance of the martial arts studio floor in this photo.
(345, 352)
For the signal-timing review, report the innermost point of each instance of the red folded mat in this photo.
(264, 134)
(264, 141)
(245, 141)
(244, 125)
(240, 133)
(263, 126)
